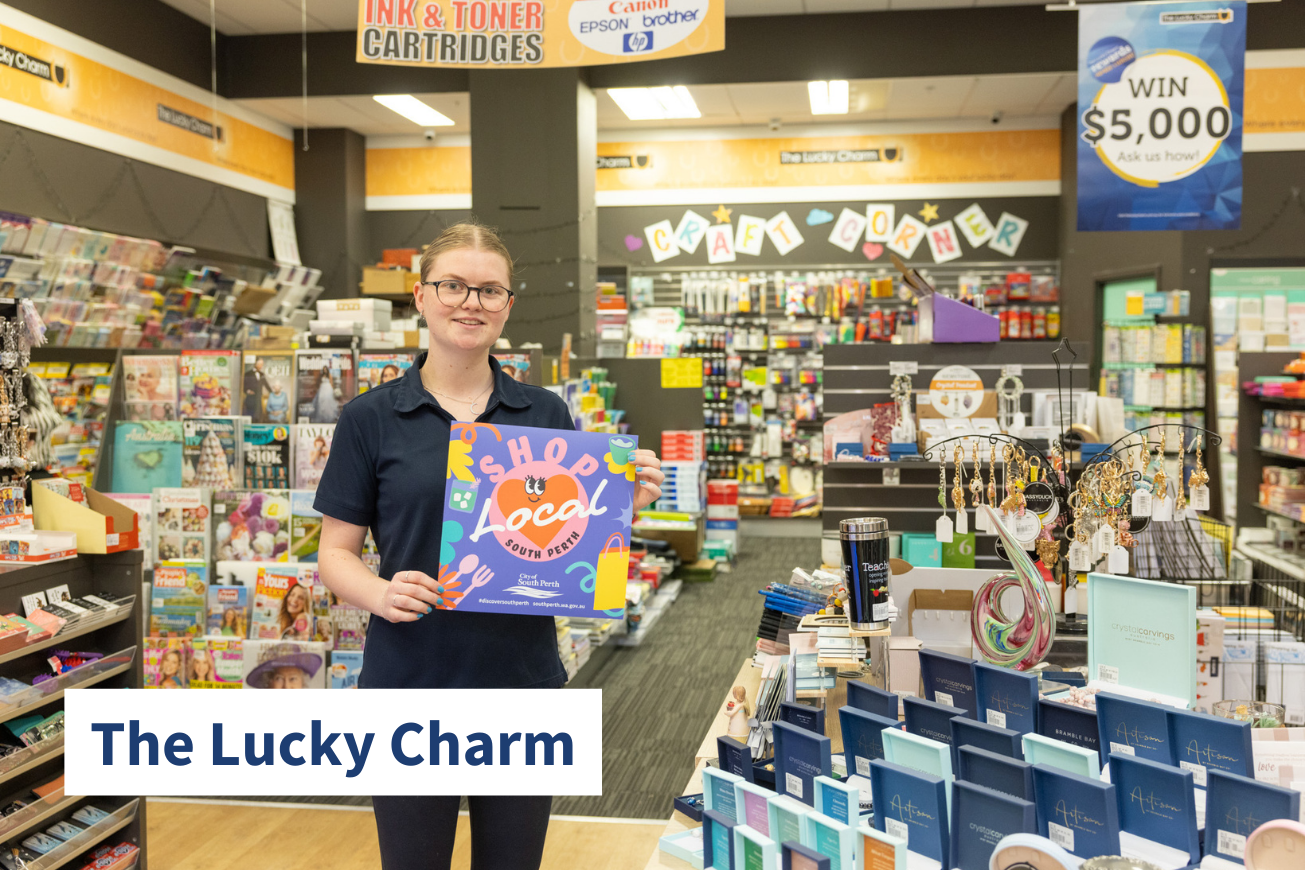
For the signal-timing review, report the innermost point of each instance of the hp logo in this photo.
(640, 40)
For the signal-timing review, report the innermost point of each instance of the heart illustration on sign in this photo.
(872, 250)
(513, 495)
(633, 243)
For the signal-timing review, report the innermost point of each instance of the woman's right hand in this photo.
(408, 597)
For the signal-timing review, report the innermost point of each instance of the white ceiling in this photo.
(363, 114)
(246, 17)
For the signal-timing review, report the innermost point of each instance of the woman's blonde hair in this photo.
(466, 235)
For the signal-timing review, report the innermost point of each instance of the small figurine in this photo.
(739, 712)
(835, 602)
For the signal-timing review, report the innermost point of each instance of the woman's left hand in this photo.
(648, 479)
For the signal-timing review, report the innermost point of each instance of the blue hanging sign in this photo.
(1160, 115)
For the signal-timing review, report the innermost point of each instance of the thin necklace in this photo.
(471, 405)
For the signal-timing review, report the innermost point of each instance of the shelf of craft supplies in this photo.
(78, 678)
(76, 628)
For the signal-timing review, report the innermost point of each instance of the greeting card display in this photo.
(537, 521)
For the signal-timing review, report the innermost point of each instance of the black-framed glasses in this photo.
(453, 293)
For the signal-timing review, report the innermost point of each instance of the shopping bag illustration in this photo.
(613, 572)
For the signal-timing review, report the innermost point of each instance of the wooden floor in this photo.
(205, 836)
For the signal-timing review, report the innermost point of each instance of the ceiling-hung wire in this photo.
(303, 57)
(212, 65)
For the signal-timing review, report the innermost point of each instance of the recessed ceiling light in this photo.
(828, 98)
(414, 110)
(655, 104)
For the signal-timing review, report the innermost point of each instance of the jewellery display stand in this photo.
(118, 636)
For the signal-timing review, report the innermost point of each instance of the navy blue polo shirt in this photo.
(387, 471)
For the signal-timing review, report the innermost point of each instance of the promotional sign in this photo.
(1160, 124)
(537, 521)
(525, 34)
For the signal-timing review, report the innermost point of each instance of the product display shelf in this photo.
(653, 610)
(857, 377)
(1251, 462)
(117, 574)
(749, 677)
(1277, 513)
(1278, 454)
(86, 625)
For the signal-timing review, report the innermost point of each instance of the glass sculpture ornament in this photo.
(1023, 641)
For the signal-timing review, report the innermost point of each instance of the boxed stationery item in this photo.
(19, 546)
(101, 524)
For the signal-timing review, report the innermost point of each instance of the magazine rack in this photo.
(118, 635)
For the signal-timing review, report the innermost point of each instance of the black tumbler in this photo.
(866, 571)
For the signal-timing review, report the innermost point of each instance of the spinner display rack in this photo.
(117, 634)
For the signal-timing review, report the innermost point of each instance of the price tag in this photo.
(1141, 503)
(943, 529)
(909, 367)
(1232, 844)
(996, 718)
(1105, 539)
(111, 540)
(862, 766)
(1061, 836)
(962, 522)
(1025, 528)
(895, 828)
(1200, 498)
(1012, 370)
(943, 698)
(1118, 561)
(1079, 560)
(1198, 772)
(793, 785)
(892, 476)
(1121, 748)
(1154, 134)
(1162, 510)
(1107, 674)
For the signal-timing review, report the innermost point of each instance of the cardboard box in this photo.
(102, 525)
(940, 619)
(387, 282)
(904, 665)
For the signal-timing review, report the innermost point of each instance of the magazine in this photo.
(267, 456)
(206, 383)
(251, 526)
(228, 611)
(305, 526)
(182, 517)
(217, 663)
(282, 664)
(166, 662)
(177, 599)
(149, 387)
(283, 603)
(346, 665)
(350, 624)
(267, 395)
(146, 455)
(515, 365)
(325, 380)
(375, 369)
(211, 452)
(312, 449)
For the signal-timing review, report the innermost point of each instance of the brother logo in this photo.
(640, 40)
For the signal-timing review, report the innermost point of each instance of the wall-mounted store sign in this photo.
(623, 161)
(61, 84)
(516, 34)
(842, 155)
(1160, 126)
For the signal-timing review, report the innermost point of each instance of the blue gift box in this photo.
(1006, 698)
(1131, 727)
(1237, 805)
(930, 719)
(948, 679)
(919, 753)
(967, 732)
(797, 856)
(718, 840)
(862, 738)
(810, 718)
(838, 800)
(800, 756)
(734, 757)
(1156, 802)
(1202, 742)
(912, 805)
(981, 817)
(1008, 775)
(1077, 813)
(830, 837)
(872, 699)
(1071, 724)
(718, 791)
(691, 805)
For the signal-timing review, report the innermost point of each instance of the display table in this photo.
(750, 678)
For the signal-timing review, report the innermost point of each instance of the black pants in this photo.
(507, 833)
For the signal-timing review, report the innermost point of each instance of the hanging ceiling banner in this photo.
(1160, 127)
(529, 34)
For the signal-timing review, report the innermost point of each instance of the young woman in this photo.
(295, 618)
(387, 472)
(201, 667)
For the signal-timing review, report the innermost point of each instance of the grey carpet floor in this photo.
(660, 697)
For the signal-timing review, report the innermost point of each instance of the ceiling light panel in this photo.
(414, 110)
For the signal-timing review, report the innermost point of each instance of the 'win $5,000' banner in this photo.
(537, 520)
(1160, 116)
(520, 34)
